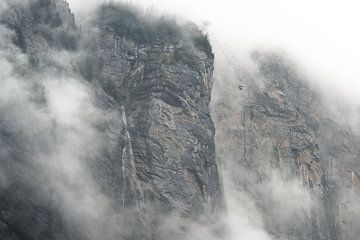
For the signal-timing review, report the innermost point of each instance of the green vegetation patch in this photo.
(127, 21)
(134, 24)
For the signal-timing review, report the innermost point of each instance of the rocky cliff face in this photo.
(151, 153)
(290, 157)
(340, 151)
(105, 133)
(165, 99)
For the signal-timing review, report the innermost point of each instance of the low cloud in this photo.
(60, 112)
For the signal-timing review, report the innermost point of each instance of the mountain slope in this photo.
(289, 154)
(121, 133)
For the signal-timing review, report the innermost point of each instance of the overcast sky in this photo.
(323, 35)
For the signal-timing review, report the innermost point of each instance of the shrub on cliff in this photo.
(127, 21)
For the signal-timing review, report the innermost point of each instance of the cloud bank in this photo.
(320, 35)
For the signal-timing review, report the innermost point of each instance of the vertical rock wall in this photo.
(291, 157)
(157, 154)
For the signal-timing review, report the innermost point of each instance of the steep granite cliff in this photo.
(290, 156)
(139, 147)
(106, 133)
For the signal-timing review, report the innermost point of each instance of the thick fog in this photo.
(321, 37)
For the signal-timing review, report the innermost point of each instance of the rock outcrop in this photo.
(165, 99)
(156, 156)
(106, 133)
(291, 157)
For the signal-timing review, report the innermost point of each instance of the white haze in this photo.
(56, 117)
(321, 35)
(322, 38)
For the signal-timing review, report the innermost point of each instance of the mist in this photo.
(57, 118)
(319, 37)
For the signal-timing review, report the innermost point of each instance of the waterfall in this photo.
(128, 168)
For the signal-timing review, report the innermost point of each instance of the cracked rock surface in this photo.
(156, 156)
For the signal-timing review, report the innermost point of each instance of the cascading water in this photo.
(130, 183)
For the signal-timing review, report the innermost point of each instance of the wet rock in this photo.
(157, 153)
